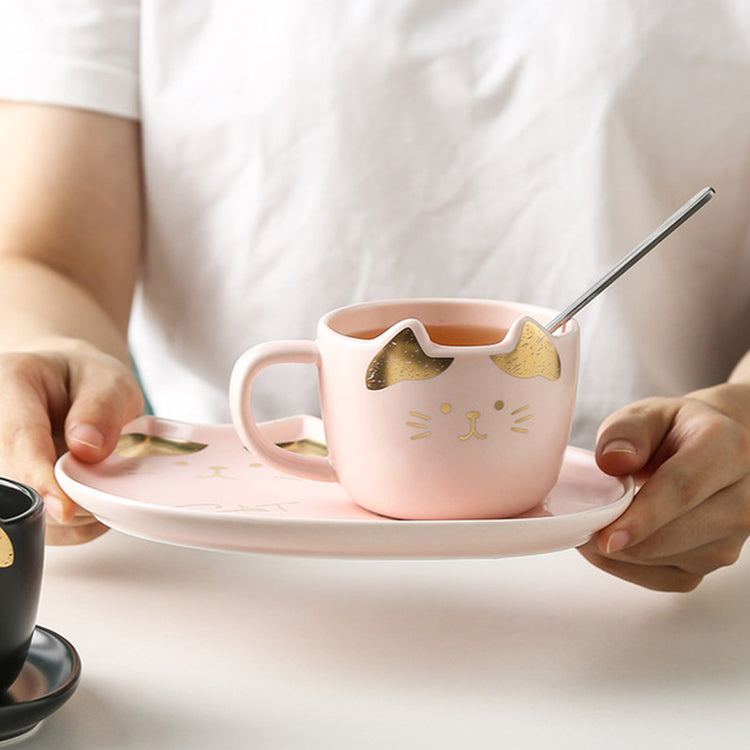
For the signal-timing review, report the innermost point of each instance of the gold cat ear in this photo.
(138, 445)
(402, 358)
(7, 553)
(534, 355)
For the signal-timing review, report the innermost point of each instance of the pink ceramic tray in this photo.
(197, 486)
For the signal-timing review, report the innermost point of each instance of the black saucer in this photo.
(48, 678)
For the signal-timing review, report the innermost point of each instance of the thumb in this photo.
(626, 444)
(105, 395)
(629, 438)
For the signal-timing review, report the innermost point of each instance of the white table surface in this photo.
(186, 649)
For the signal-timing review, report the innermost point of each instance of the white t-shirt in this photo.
(301, 156)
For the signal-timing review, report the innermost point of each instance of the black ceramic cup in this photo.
(21, 565)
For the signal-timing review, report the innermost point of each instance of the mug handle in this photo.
(244, 373)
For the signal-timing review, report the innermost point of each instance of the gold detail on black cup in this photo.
(535, 354)
(402, 358)
(7, 553)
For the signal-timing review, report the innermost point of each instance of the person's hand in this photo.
(691, 458)
(70, 397)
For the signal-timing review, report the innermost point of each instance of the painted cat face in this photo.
(459, 404)
(467, 426)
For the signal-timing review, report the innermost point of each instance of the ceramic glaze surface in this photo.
(21, 567)
(48, 678)
(424, 430)
(196, 485)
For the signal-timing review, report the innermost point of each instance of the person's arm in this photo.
(70, 243)
(692, 512)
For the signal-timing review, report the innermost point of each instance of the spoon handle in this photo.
(678, 217)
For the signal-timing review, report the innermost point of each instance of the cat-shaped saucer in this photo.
(197, 486)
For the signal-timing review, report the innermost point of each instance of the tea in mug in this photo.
(450, 334)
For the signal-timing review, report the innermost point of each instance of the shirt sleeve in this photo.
(75, 53)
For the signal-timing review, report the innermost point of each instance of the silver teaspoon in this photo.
(678, 217)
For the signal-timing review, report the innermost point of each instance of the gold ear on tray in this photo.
(534, 355)
(138, 445)
(402, 358)
(305, 446)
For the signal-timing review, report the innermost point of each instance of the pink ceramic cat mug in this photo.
(431, 410)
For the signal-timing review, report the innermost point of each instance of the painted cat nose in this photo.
(472, 416)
